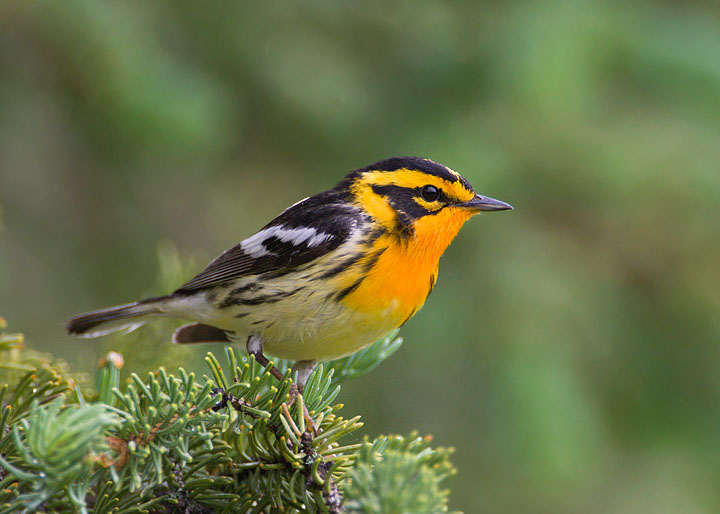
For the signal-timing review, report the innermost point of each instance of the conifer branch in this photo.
(234, 440)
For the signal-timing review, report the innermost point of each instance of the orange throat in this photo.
(405, 273)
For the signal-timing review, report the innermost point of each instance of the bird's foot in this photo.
(254, 347)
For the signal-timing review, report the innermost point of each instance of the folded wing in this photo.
(301, 234)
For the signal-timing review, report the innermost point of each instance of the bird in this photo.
(328, 276)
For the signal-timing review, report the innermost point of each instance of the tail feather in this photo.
(104, 321)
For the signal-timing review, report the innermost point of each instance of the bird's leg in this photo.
(303, 368)
(254, 347)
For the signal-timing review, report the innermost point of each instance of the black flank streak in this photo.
(347, 263)
(340, 267)
(259, 300)
(373, 260)
(342, 294)
(269, 298)
(235, 298)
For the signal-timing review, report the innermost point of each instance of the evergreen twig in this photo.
(230, 441)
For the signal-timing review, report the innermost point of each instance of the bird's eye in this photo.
(430, 193)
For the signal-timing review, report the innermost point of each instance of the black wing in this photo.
(307, 230)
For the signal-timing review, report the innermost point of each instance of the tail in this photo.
(123, 317)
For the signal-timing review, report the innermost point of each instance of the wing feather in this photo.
(300, 234)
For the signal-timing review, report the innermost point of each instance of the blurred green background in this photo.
(571, 349)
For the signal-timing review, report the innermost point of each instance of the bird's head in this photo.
(406, 194)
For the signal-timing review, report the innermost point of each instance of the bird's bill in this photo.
(485, 203)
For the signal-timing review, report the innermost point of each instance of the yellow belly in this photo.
(330, 338)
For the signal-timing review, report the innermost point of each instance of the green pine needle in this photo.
(231, 441)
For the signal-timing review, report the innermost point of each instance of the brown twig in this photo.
(332, 498)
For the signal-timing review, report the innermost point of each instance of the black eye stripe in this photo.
(405, 199)
(397, 192)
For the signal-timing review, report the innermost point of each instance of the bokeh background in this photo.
(571, 348)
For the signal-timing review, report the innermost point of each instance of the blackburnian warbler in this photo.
(328, 276)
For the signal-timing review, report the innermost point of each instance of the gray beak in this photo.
(485, 203)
